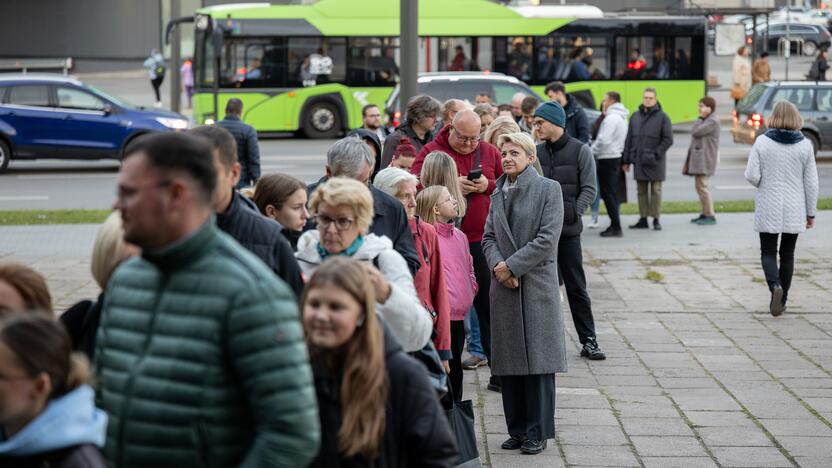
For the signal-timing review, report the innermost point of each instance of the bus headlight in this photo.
(175, 124)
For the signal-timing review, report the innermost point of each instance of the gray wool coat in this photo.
(649, 136)
(527, 335)
(703, 153)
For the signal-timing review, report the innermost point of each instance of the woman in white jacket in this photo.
(607, 148)
(782, 167)
(740, 74)
(343, 210)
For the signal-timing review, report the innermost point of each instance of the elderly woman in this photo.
(487, 114)
(503, 126)
(527, 337)
(430, 279)
(419, 123)
(782, 167)
(703, 155)
(343, 211)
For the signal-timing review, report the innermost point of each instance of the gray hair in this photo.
(345, 157)
(421, 107)
(388, 180)
(485, 109)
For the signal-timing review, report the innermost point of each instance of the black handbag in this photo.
(436, 371)
(460, 416)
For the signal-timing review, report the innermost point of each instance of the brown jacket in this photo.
(760, 71)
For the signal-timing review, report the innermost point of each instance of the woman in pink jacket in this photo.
(436, 205)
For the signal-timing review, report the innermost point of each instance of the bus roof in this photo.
(381, 17)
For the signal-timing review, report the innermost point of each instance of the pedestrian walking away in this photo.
(239, 219)
(47, 411)
(570, 163)
(649, 136)
(376, 406)
(420, 120)
(156, 69)
(248, 150)
(187, 72)
(246, 363)
(521, 248)
(478, 166)
(607, 148)
(703, 156)
(283, 198)
(782, 168)
(740, 75)
(817, 72)
(761, 69)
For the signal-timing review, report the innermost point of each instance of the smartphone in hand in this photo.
(474, 174)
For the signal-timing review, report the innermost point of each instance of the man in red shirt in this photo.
(461, 140)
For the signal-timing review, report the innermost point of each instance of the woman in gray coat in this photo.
(527, 337)
(703, 155)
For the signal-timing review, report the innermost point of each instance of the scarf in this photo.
(349, 251)
(787, 137)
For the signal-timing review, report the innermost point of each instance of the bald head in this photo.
(465, 132)
(517, 104)
(467, 121)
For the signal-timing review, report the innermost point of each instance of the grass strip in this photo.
(31, 217)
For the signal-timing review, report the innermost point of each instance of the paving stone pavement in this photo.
(698, 373)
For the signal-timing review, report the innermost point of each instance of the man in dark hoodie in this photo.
(374, 143)
(649, 136)
(236, 217)
(577, 123)
(422, 112)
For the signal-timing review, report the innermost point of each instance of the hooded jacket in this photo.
(577, 123)
(409, 322)
(649, 136)
(459, 269)
(372, 138)
(612, 134)
(416, 432)
(473, 224)
(67, 434)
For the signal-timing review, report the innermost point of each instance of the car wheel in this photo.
(814, 140)
(5, 155)
(809, 48)
(321, 120)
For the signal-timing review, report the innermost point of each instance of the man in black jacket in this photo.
(248, 153)
(351, 157)
(569, 162)
(577, 123)
(260, 235)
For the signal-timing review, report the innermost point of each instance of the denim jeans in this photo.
(595, 207)
(472, 325)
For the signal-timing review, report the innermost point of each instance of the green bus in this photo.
(312, 68)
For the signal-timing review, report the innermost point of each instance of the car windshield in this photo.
(115, 100)
(752, 96)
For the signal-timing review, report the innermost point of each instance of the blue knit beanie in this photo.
(553, 112)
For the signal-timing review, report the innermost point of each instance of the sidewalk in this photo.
(698, 373)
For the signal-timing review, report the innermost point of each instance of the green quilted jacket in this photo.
(201, 361)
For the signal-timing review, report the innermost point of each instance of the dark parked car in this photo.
(814, 36)
(812, 98)
(54, 116)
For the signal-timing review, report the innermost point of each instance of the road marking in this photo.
(10, 198)
(65, 176)
(735, 187)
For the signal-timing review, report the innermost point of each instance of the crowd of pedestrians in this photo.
(252, 320)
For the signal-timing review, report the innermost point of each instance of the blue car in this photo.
(54, 116)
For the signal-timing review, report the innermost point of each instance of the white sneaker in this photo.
(593, 222)
(157, 104)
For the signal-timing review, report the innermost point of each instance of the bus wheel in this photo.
(321, 120)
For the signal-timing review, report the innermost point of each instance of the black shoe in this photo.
(657, 226)
(610, 232)
(513, 443)
(641, 224)
(533, 447)
(696, 220)
(494, 384)
(776, 304)
(592, 351)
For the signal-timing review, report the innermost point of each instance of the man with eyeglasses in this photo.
(461, 140)
(371, 120)
(569, 162)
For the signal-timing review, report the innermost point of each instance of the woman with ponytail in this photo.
(47, 413)
(376, 405)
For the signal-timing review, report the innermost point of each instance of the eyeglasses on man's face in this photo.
(466, 139)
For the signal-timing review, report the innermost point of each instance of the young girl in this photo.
(376, 405)
(440, 169)
(435, 205)
(282, 198)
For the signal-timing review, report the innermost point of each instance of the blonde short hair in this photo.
(785, 116)
(500, 126)
(109, 249)
(340, 191)
(523, 140)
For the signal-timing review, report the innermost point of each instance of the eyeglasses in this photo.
(465, 139)
(537, 123)
(341, 224)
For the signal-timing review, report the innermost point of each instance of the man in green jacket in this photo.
(201, 360)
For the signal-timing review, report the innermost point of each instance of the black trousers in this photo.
(529, 405)
(457, 343)
(781, 275)
(608, 173)
(571, 271)
(157, 83)
(482, 302)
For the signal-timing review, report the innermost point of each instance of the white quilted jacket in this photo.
(787, 185)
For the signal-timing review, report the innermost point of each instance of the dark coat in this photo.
(392, 141)
(704, 146)
(370, 137)
(262, 237)
(416, 432)
(577, 123)
(79, 456)
(649, 136)
(81, 322)
(389, 220)
(248, 152)
(523, 229)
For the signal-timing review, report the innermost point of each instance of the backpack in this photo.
(814, 71)
(160, 70)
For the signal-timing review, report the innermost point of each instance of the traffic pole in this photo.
(175, 59)
(408, 51)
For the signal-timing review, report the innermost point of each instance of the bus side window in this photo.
(373, 61)
(313, 60)
(658, 58)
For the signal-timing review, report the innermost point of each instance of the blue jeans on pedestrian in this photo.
(596, 204)
(472, 325)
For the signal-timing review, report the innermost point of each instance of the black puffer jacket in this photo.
(649, 137)
(416, 431)
(81, 322)
(262, 237)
